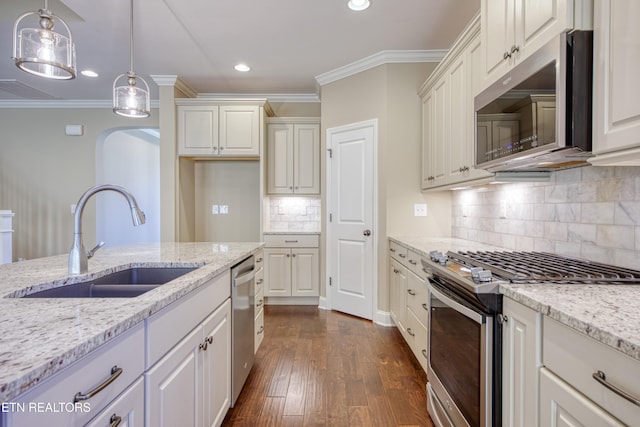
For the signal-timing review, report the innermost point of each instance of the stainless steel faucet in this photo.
(78, 256)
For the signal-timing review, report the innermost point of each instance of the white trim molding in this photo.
(64, 103)
(272, 97)
(380, 58)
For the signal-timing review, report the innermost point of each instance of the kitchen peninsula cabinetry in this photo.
(513, 29)
(616, 111)
(259, 300)
(291, 268)
(220, 128)
(408, 299)
(521, 360)
(189, 382)
(293, 155)
(584, 380)
(448, 126)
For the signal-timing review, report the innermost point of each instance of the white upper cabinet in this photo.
(448, 127)
(616, 110)
(293, 156)
(513, 29)
(209, 128)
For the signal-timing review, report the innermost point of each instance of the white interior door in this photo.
(351, 237)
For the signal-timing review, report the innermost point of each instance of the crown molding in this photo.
(63, 103)
(380, 58)
(175, 81)
(271, 97)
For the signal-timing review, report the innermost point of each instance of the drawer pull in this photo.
(260, 303)
(392, 250)
(205, 344)
(259, 260)
(402, 255)
(412, 262)
(602, 379)
(291, 241)
(425, 306)
(424, 353)
(115, 421)
(115, 373)
(260, 281)
(411, 292)
(396, 271)
(410, 332)
(261, 330)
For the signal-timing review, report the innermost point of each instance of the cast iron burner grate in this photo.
(535, 267)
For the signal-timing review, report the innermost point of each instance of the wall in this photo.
(388, 93)
(589, 212)
(43, 172)
(295, 109)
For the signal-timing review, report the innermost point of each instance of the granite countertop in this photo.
(609, 314)
(41, 336)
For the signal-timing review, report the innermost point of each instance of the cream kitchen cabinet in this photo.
(585, 380)
(191, 385)
(513, 29)
(220, 129)
(448, 126)
(117, 365)
(521, 361)
(291, 268)
(293, 155)
(408, 299)
(616, 111)
(259, 300)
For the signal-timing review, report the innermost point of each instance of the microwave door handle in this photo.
(471, 314)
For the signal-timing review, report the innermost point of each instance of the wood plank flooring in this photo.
(325, 368)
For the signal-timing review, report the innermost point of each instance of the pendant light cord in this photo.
(130, 39)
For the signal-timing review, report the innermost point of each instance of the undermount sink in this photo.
(122, 284)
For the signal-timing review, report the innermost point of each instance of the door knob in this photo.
(367, 232)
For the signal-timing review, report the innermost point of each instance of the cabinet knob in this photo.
(515, 49)
(293, 255)
(215, 148)
(366, 233)
(503, 318)
(288, 255)
(115, 420)
(221, 148)
(506, 55)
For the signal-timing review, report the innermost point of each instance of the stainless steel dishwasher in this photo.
(242, 324)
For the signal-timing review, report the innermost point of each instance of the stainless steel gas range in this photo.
(465, 332)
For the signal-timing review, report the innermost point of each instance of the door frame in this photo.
(377, 317)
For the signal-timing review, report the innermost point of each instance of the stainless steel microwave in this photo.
(538, 116)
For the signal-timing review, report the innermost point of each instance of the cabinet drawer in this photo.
(168, 326)
(575, 357)
(398, 252)
(259, 329)
(416, 336)
(128, 408)
(259, 279)
(85, 375)
(417, 298)
(414, 261)
(291, 240)
(259, 300)
(259, 257)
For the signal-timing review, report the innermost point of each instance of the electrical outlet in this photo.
(224, 209)
(420, 209)
(214, 209)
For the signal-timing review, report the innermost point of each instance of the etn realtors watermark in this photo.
(45, 407)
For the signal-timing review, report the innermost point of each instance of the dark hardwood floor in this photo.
(324, 368)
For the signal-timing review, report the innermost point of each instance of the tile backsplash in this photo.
(292, 214)
(589, 212)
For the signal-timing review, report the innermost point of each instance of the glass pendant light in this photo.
(131, 100)
(42, 51)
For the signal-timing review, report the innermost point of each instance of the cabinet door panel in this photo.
(440, 129)
(197, 130)
(305, 273)
(427, 141)
(279, 159)
(458, 101)
(306, 165)
(239, 130)
(498, 18)
(277, 272)
(172, 385)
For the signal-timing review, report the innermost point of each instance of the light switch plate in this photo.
(420, 209)
(224, 209)
(214, 209)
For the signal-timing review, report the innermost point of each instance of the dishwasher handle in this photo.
(244, 277)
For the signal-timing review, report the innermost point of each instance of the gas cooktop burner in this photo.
(536, 267)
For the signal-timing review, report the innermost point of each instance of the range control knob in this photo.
(435, 255)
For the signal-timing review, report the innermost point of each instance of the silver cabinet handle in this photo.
(260, 281)
(506, 55)
(503, 318)
(515, 49)
(260, 303)
(410, 332)
(115, 373)
(203, 346)
(413, 262)
(261, 330)
(291, 241)
(259, 260)
(424, 353)
(396, 271)
(402, 255)
(425, 307)
(115, 420)
(602, 379)
(392, 250)
(411, 292)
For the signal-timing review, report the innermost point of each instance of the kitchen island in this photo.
(40, 337)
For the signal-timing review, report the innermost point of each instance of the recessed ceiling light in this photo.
(242, 68)
(89, 73)
(358, 5)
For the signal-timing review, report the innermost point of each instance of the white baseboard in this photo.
(383, 318)
(291, 300)
(322, 303)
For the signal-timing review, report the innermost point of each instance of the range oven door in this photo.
(460, 356)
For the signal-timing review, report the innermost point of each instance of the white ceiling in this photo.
(286, 42)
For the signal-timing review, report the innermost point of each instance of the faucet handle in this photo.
(95, 249)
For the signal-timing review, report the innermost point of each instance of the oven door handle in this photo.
(466, 311)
